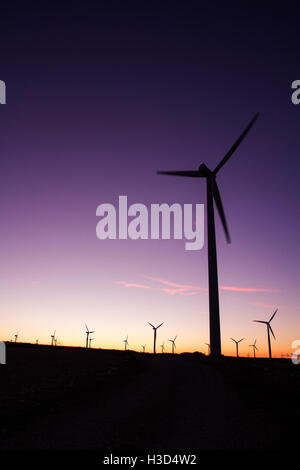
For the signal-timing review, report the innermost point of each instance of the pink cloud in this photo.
(132, 284)
(174, 284)
(173, 288)
(246, 289)
(259, 304)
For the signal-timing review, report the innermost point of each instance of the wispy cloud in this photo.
(260, 304)
(246, 289)
(173, 288)
(132, 284)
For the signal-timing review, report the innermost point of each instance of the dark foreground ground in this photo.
(72, 398)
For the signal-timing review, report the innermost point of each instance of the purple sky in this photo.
(98, 100)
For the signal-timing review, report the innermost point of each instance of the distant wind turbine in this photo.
(237, 345)
(269, 328)
(162, 347)
(126, 344)
(208, 347)
(90, 341)
(37, 341)
(16, 337)
(255, 348)
(173, 344)
(144, 347)
(213, 194)
(88, 332)
(53, 338)
(154, 331)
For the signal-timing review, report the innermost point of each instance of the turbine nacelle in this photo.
(205, 171)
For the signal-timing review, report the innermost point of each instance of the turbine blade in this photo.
(160, 325)
(271, 331)
(192, 174)
(218, 201)
(260, 321)
(273, 315)
(235, 145)
(241, 340)
(151, 325)
(233, 340)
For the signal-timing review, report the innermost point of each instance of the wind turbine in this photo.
(237, 345)
(154, 331)
(90, 341)
(162, 347)
(53, 338)
(125, 341)
(213, 194)
(88, 332)
(208, 347)
(37, 341)
(254, 348)
(16, 337)
(269, 328)
(173, 344)
(144, 347)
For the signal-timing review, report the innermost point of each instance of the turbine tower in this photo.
(154, 331)
(237, 345)
(255, 348)
(88, 332)
(173, 344)
(269, 328)
(212, 194)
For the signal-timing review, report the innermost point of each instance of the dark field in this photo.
(73, 398)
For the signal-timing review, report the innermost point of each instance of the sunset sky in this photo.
(98, 100)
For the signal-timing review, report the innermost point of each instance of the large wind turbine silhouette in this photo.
(173, 344)
(269, 328)
(88, 332)
(255, 348)
(154, 331)
(237, 345)
(213, 194)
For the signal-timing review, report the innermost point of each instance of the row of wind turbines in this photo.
(162, 346)
(253, 346)
(89, 339)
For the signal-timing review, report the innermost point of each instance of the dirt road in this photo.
(175, 403)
